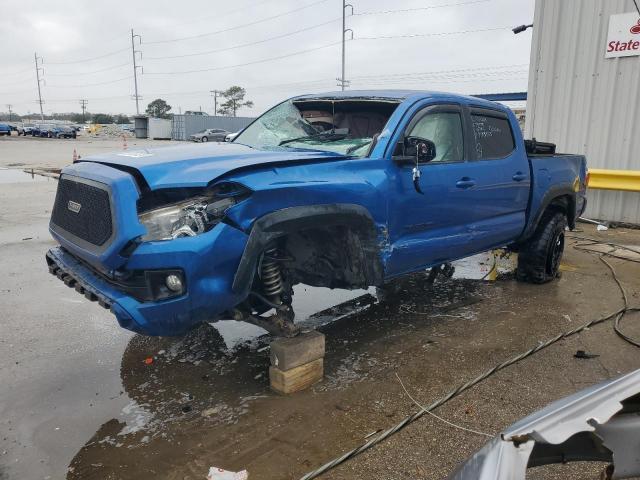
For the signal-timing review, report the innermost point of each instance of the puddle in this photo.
(314, 306)
(485, 266)
(10, 175)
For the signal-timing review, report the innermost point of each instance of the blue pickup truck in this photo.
(340, 190)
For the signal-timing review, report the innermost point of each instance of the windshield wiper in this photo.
(318, 136)
(352, 149)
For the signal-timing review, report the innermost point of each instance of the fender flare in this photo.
(550, 195)
(282, 222)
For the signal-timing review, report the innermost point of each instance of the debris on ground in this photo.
(585, 355)
(216, 473)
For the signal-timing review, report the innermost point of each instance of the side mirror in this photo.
(421, 149)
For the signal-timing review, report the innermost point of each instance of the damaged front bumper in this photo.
(600, 423)
(206, 264)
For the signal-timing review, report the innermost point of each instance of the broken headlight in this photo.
(185, 219)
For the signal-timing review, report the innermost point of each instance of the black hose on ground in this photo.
(617, 316)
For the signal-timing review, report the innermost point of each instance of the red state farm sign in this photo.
(623, 39)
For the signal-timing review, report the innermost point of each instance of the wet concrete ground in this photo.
(78, 399)
(33, 152)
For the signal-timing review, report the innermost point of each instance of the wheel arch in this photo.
(291, 220)
(559, 198)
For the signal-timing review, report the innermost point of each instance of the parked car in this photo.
(25, 129)
(63, 132)
(5, 129)
(209, 134)
(42, 130)
(391, 183)
(196, 112)
(231, 137)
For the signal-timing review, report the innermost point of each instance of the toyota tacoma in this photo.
(341, 190)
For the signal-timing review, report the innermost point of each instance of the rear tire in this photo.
(539, 258)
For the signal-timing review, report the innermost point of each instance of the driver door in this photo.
(431, 227)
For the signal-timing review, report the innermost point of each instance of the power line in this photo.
(21, 82)
(19, 72)
(114, 67)
(387, 37)
(256, 22)
(225, 14)
(115, 52)
(436, 34)
(264, 60)
(416, 9)
(457, 70)
(91, 84)
(257, 42)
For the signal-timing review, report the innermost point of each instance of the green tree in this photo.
(122, 119)
(159, 109)
(77, 117)
(234, 100)
(102, 118)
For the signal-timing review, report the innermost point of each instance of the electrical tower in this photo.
(215, 94)
(10, 112)
(135, 69)
(342, 81)
(39, 80)
(83, 105)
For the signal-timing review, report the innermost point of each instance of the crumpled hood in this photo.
(195, 165)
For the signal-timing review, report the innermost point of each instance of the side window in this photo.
(444, 129)
(492, 136)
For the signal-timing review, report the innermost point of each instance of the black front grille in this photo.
(83, 210)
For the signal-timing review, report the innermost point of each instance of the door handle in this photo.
(519, 176)
(465, 182)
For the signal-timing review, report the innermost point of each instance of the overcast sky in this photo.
(287, 47)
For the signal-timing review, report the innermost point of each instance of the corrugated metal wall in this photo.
(185, 125)
(582, 101)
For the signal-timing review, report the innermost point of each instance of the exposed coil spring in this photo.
(270, 275)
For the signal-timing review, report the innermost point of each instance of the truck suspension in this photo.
(271, 276)
(274, 294)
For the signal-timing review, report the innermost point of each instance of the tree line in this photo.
(234, 100)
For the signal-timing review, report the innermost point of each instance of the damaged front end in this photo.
(600, 423)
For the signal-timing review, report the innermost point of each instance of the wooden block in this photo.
(296, 379)
(288, 353)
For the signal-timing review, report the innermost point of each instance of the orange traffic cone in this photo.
(124, 142)
(75, 155)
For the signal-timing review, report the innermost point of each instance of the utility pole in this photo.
(215, 94)
(38, 68)
(9, 108)
(83, 104)
(342, 81)
(135, 69)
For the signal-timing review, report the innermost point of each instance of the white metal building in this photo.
(584, 90)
